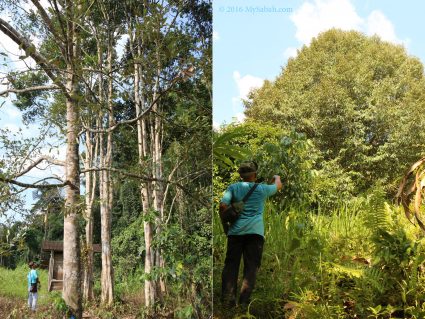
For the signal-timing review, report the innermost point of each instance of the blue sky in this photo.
(251, 45)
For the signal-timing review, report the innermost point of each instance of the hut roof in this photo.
(48, 245)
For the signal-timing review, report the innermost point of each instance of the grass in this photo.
(335, 264)
(14, 283)
(129, 302)
(14, 294)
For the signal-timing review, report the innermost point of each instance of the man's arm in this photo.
(37, 280)
(276, 180)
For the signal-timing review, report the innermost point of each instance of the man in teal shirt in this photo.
(33, 285)
(246, 235)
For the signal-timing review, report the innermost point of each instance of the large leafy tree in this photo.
(360, 100)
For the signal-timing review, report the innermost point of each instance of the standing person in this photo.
(245, 236)
(33, 286)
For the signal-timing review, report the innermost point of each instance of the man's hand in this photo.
(277, 182)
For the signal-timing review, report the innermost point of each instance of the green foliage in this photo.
(128, 247)
(358, 98)
(363, 258)
(127, 208)
(188, 267)
(224, 152)
(31, 103)
(276, 152)
(58, 303)
(331, 185)
(398, 252)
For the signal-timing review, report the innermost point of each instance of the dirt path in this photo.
(16, 308)
(7, 305)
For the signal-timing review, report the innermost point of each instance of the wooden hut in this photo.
(52, 255)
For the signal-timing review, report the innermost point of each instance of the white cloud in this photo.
(313, 18)
(246, 83)
(235, 102)
(240, 117)
(378, 23)
(216, 36)
(290, 53)
(318, 16)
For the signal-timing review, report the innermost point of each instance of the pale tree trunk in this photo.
(107, 277)
(150, 286)
(157, 173)
(149, 135)
(90, 185)
(71, 248)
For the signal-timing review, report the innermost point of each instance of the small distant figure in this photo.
(245, 237)
(33, 286)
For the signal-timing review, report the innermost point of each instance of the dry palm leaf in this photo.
(404, 194)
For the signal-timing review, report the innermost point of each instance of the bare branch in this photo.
(30, 49)
(61, 22)
(30, 89)
(134, 120)
(38, 161)
(125, 173)
(34, 185)
(147, 179)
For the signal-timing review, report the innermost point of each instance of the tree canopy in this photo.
(359, 99)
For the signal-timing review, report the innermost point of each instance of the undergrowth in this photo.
(361, 260)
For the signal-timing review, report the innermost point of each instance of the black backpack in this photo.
(232, 213)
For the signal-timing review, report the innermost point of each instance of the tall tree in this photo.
(159, 94)
(65, 35)
(360, 100)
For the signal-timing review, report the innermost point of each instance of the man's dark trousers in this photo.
(251, 248)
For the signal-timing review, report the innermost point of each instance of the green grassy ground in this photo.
(14, 283)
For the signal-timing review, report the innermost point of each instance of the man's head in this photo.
(248, 171)
(31, 264)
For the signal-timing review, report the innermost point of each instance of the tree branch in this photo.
(30, 89)
(147, 179)
(134, 120)
(34, 185)
(30, 49)
(49, 24)
(38, 161)
(128, 174)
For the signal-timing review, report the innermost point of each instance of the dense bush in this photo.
(361, 260)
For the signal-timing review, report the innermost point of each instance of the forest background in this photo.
(114, 148)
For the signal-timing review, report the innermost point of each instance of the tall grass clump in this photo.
(14, 283)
